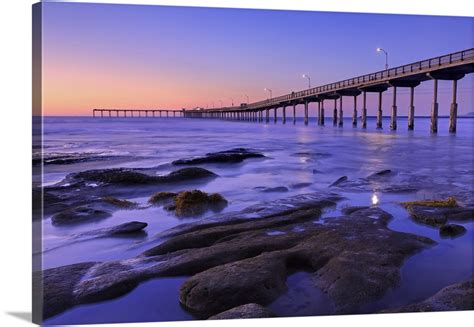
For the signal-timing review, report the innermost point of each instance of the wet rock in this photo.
(355, 259)
(382, 173)
(455, 297)
(193, 203)
(438, 212)
(339, 181)
(78, 215)
(123, 204)
(300, 185)
(58, 286)
(162, 197)
(235, 155)
(271, 189)
(351, 209)
(241, 284)
(111, 279)
(126, 228)
(133, 177)
(427, 215)
(451, 230)
(233, 261)
(133, 229)
(250, 310)
(69, 158)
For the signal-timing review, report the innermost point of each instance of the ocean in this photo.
(313, 156)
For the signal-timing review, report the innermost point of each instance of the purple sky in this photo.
(118, 56)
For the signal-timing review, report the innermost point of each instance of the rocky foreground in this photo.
(244, 257)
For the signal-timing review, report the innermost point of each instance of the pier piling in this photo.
(306, 112)
(379, 112)
(341, 113)
(334, 114)
(322, 113)
(453, 113)
(434, 108)
(393, 117)
(364, 109)
(294, 113)
(411, 110)
(354, 114)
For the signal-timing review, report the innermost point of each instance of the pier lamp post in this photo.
(309, 80)
(245, 95)
(386, 56)
(269, 90)
(213, 105)
(222, 103)
(231, 99)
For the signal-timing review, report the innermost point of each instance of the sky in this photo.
(136, 56)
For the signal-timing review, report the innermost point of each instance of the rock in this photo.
(132, 177)
(451, 230)
(69, 158)
(455, 297)
(235, 155)
(339, 181)
(355, 259)
(351, 209)
(382, 173)
(193, 203)
(126, 228)
(58, 286)
(239, 282)
(111, 279)
(300, 185)
(438, 212)
(79, 214)
(427, 215)
(232, 260)
(250, 310)
(162, 197)
(448, 203)
(133, 228)
(271, 189)
(123, 204)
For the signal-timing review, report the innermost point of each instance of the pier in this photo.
(137, 113)
(452, 67)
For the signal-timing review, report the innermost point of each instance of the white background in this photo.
(15, 156)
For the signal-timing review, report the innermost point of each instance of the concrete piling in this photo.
(341, 113)
(306, 112)
(434, 108)
(354, 113)
(393, 117)
(453, 113)
(379, 112)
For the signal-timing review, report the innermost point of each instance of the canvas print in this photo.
(203, 163)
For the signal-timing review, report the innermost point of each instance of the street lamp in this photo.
(269, 90)
(386, 56)
(309, 80)
(232, 101)
(213, 105)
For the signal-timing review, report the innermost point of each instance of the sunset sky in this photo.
(132, 56)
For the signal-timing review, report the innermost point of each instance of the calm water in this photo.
(448, 159)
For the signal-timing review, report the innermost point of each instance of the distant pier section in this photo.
(452, 67)
(137, 113)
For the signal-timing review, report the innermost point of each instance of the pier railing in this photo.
(377, 77)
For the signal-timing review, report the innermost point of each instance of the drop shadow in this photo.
(22, 315)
